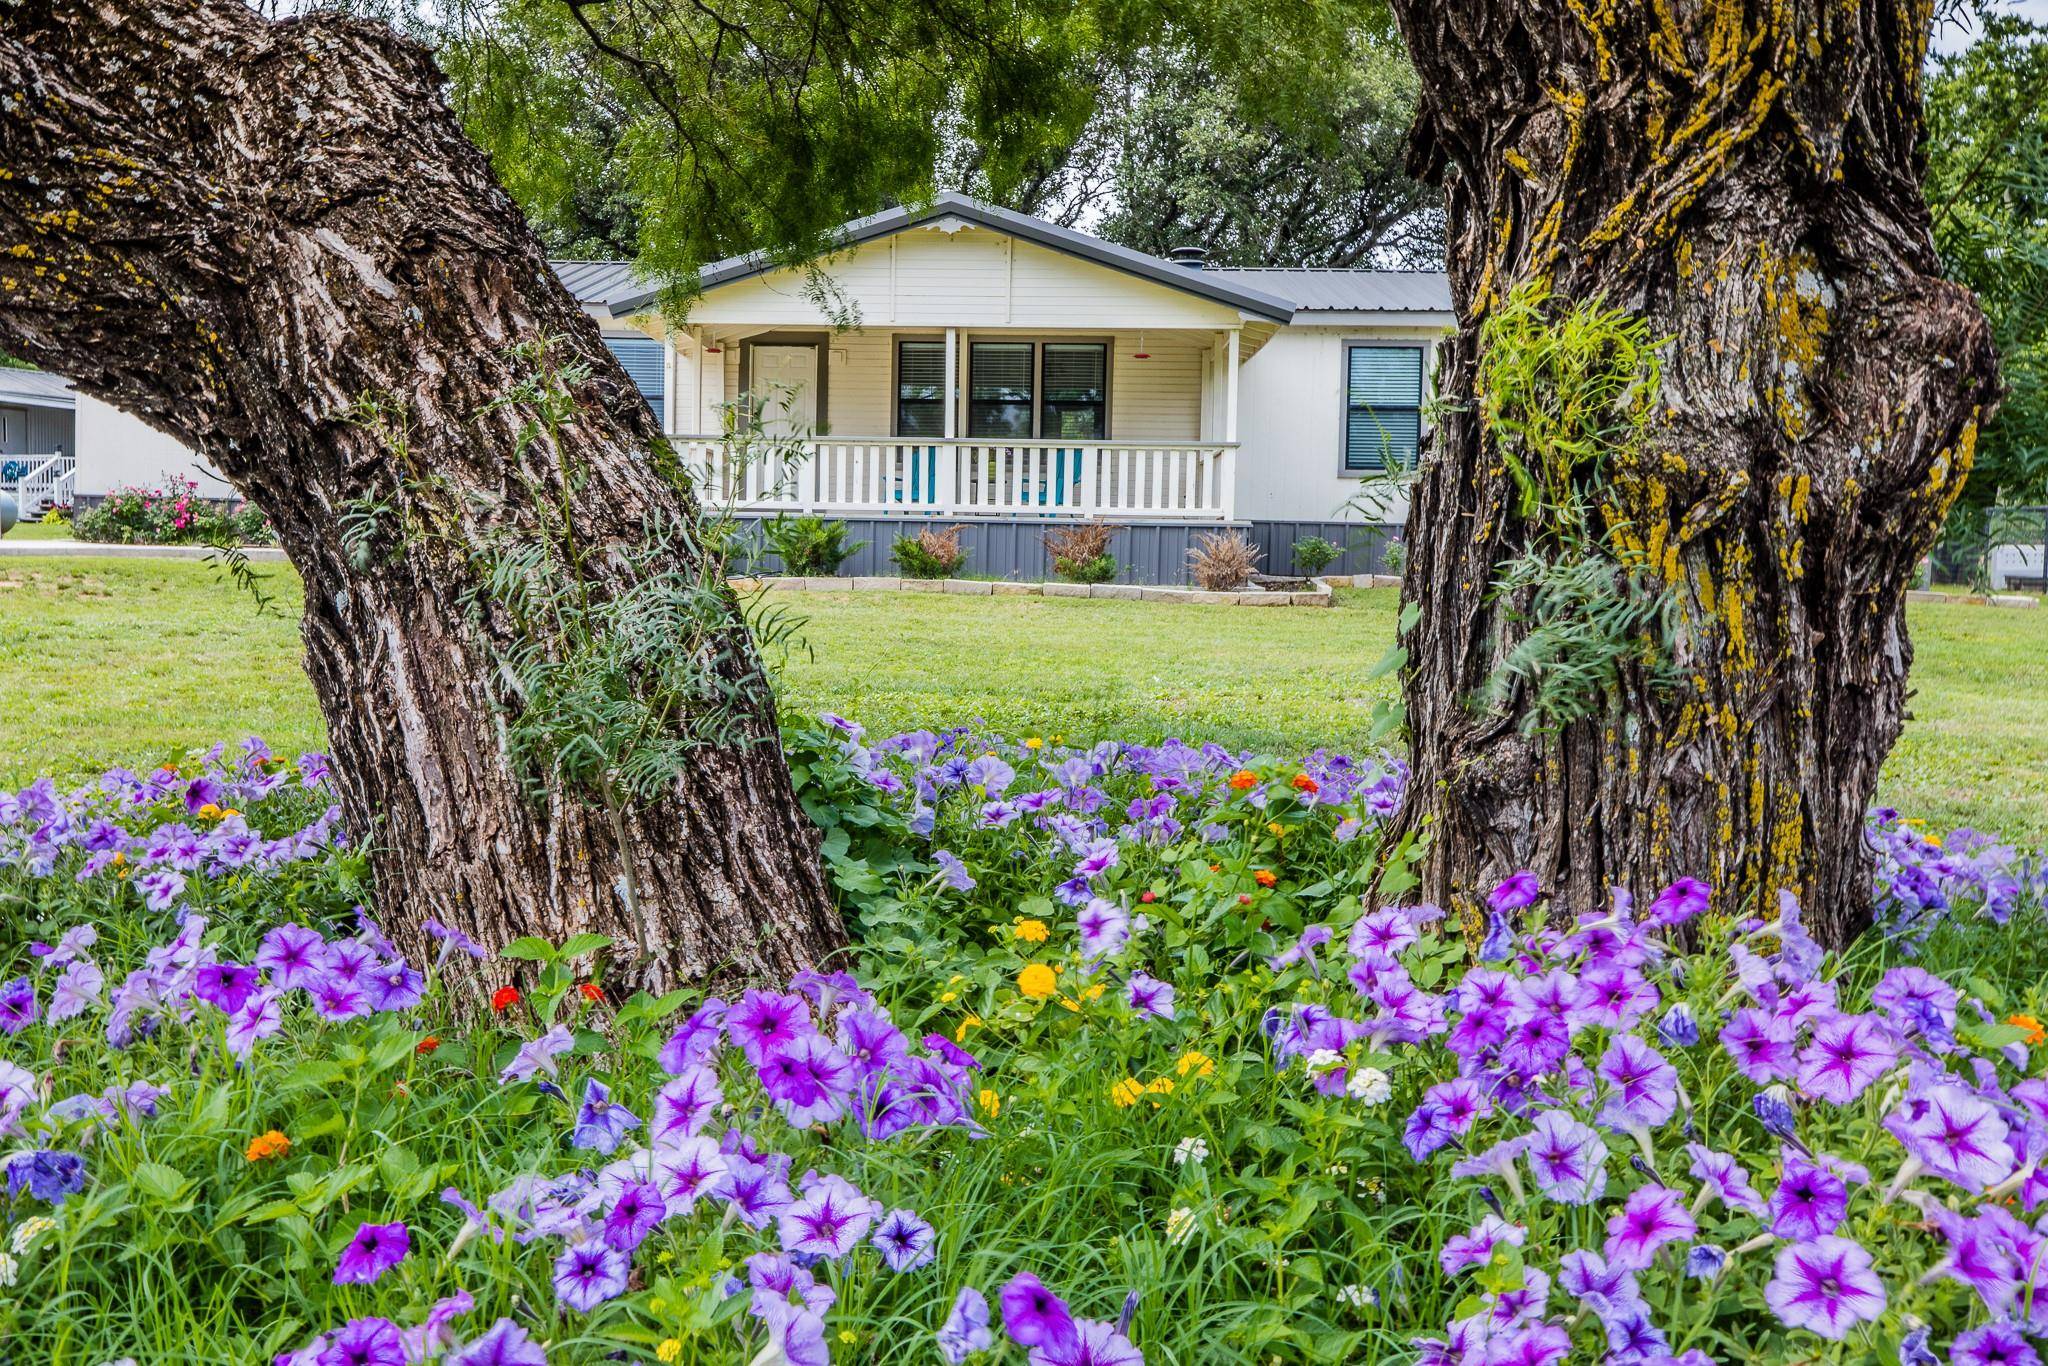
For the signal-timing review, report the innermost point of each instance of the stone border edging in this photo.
(1320, 596)
(112, 550)
(1973, 599)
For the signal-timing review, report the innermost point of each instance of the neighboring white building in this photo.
(58, 445)
(966, 364)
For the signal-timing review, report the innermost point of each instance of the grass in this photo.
(42, 531)
(135, 661)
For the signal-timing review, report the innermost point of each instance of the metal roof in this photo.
(592, 282)
(37, 388)
(1314, 290)
(1245, 295)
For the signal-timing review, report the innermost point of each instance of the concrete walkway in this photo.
(16, 547)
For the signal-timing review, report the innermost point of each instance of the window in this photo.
(1382, 407)
(999, 383)
(1076, 391)
(920, 388)
(642, 360)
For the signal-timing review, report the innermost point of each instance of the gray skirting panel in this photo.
(1146, 552)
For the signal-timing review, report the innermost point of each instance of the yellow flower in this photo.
(209, 812)
(1126, 1092)
(1276, 827)
(990, 1101)
(271, 1144)
(1031, 931)
(657, 1305)
(1034, 743)
(947, 997)
(1934, 840)
(670, 1350)
(1201, 1064)
(1159, 1086)
(1088, 995)
(1037, 981)
(848, 1336)
(971, 1022)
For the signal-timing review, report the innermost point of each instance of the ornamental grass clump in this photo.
(1080, 553)
(1221, 560)
(931, 553)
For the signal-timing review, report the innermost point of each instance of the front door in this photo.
(13, 431)
(785, 384)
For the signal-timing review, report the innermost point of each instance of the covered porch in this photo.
(1124, 424)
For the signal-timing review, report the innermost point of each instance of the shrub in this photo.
(173, 514)
(1393, 555)
(810, 546)
(931, 553)
(1223, 560)
(1080, 553)
(1314, 554)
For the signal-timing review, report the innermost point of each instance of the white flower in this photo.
(8, 1267)
(1359, 1297)
(1370, 1085)
(1191, 1150)
(31, 1229)
(1323, 1059)
(1180, 1225)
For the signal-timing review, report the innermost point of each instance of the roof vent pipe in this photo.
(1194, 258)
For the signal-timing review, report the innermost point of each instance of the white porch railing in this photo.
(45, 484)
(1187, 481)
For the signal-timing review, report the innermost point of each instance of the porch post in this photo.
(1227, 467)
(1230, 389)
(952, 382)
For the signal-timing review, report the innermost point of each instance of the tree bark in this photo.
(1745, 177)
(240, 230)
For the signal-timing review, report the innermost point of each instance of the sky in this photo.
(1952, 35)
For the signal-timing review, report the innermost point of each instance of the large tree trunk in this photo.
(1743, 175)
(272, 241)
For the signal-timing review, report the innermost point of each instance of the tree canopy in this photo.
(680, 133)
(1987, 186)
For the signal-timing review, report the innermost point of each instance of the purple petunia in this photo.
(538, 1055)
(684, 1106)
(634, 1215)
(1515, 891)
(588, 1274)
(504, 1343)
(1035, 1317)
(1826, 1285)
(966, 1329)
(292, 955)
(764, 1021)
(905, 1241)
(1955, 1134)
(1150, 997)
(600, 1125)
(1651, 1217)
(17, 1005)
(1761, 1045)
(1809, 1200)
(1105, 929)
(809, 1080)
(1724, 1178)
(1644, 1087)
(1845, 1056)
(364, 1342)
(374, 1250)
(1567, 1159)
(829, 1220)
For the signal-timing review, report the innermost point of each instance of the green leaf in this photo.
(530, 948)
(160, 1182)
(1392, 661)
(578, 945)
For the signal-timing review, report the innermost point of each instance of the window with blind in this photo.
(999, 388)
(921, 388)
(1076, 381)
(1382, 407)
(642, 360)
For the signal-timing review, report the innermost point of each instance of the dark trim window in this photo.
(1382, 407)
(921, 388)
(1076, 382)
(1000, 380)
(643, 362)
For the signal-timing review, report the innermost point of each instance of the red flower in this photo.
(428, 1044)
(591, 991)
(1264, 878)
(504, 998)
(1147, 898)
(1243, 899)
(1304, 783)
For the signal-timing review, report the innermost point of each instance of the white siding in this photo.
(36, 430)
(1158, 399)
(115, 449)
(976, 278)
(1290, 424)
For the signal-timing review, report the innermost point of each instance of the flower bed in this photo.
(1120, 1071)
(171, 514)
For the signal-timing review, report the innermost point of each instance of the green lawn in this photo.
(42, 531)
(140, 660)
